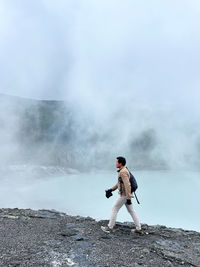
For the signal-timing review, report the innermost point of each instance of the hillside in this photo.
(47, 132)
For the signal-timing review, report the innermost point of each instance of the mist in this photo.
(124, 77)
(83, 82)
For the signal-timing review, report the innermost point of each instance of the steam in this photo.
(127, 74)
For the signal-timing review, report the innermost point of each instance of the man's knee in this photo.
(115, 208)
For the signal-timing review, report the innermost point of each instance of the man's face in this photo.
(118, 165)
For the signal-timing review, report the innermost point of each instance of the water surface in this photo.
(170, 198)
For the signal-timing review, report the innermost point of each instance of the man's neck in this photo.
(120, 168)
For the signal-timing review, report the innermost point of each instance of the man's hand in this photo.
(108, 193)
(128, 202)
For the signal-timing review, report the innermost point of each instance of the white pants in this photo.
(120, 201)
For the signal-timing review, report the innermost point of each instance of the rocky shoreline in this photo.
(51, 238)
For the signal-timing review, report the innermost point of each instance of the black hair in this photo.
(121, 160)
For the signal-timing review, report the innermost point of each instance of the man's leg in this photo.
(120, 201)
(134, 216)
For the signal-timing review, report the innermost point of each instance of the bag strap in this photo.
(136, 198)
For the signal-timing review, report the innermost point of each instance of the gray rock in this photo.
(15, 263)
(69, 232)
(79, 237)
(47, 238)
(169, 264)
(145, 251)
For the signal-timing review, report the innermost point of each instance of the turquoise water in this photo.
(170, 198)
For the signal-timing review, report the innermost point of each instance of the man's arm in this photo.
(127, 186)
(115, 187)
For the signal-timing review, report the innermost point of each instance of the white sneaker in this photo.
(106, 229)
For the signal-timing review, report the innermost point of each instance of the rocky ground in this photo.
(50, 238)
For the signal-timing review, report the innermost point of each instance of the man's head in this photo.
(120, 162)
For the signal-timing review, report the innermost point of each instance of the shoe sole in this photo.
(106, 231)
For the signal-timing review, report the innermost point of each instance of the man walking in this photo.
(124, 196)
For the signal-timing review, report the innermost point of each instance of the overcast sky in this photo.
(143, 50)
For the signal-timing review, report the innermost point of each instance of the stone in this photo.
(79, 237)
(169, 264)
(145, 251)
(69, 232)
